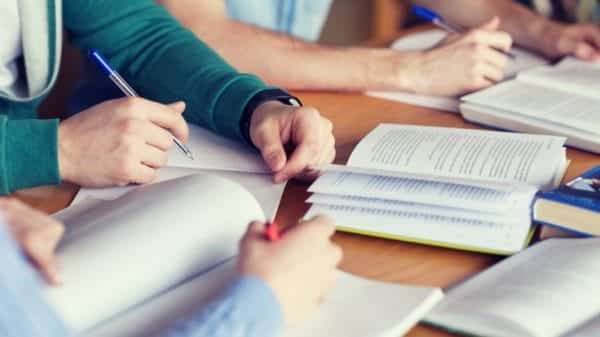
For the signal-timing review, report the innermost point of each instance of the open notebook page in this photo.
(468, 234)
(261, 186)
(545, 291)
(428, 39)
(571, 75)
(214, 152)
(153, 237)
(355, 307)
(422, 191)
(542, 103)
(478, 155)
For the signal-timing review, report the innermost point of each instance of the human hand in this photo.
(300, 268)
(579, 40)
(119, 142)
(274, 126)
(36, 233)
(461, 63)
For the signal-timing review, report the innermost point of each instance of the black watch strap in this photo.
(260, 98)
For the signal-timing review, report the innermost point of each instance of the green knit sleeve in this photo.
(162, 60)
(28, 153)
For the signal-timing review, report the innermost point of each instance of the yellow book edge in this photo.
(438, 243)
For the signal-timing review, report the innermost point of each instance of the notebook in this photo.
(216, 155)
(573, 207)
(457, 188)
(134, 265)
(549, 290)
(429, 39)
(561, 100)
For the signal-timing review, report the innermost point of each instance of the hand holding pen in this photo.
(438, 20)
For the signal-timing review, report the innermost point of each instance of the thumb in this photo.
(178, 107)
(491, 25)
(271, 148)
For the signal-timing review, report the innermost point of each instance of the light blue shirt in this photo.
(301, 18)
(247, 309)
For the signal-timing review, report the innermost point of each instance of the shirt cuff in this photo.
(29, 154)
(257, 303)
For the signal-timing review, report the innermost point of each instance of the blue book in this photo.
(574, 207)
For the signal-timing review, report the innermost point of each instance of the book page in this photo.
(517, 215)
(461, 153)
(343, 312)
(429, 39)
(267, 193)
(493, 236)
(546, 291)
(150, 239)
(571, 75)
(421, 191)
(214, 152)
(541, 103)
(589, 329)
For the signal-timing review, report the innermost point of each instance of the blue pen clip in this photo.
(426, 14)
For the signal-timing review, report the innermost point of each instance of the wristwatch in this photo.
(260, 98)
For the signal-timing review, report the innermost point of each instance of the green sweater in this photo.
(162, 60)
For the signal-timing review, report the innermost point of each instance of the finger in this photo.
(144, 174)
(303, 157)
(491, 72)
(40, 245)
(491, 25)
(492, 57)
(267, 139)
(499, 40)
(323, 223)
(153, 157)
(584, 51)
(158, 137)
(167, 117)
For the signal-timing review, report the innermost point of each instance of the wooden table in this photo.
(354, 115)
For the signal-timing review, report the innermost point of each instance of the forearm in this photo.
(247, 309)
(288, 62)
(525, 26)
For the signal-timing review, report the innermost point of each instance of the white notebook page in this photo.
(546, 290)
(471, 154)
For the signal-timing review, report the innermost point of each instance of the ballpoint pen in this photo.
(439, 21)
(120, 82)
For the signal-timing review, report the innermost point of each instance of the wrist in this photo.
(64, 166)
(543, 36)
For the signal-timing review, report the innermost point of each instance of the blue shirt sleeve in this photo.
(247, 309)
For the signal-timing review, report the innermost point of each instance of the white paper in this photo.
(543, 103)
(496, 236)
(213, 152)
(422, 192)
(129, 249)
(429, 39)
(461, 153)
(344, 312)
(261, 186)
(520, 214)
(545, 291)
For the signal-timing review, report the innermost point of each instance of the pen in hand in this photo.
(438, 20)
(272, 231)
(120, 82)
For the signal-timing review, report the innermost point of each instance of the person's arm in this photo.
(292, 63)
(527, 28)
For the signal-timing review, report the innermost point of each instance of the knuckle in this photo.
(124, 171)
(129, 126)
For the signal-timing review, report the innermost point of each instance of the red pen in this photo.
(272, 231)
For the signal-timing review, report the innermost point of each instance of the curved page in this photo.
(127, 250)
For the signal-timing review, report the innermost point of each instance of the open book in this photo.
(134, 265)
(549, 290)
(467, 189)
(561, 100)
(429, 39)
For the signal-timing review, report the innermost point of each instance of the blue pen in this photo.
(120, 82)
(439, 21)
